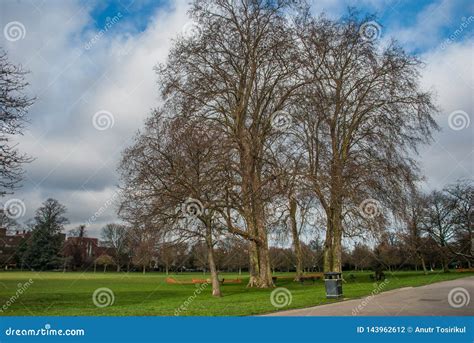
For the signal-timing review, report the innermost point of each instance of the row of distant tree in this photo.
(435, 233)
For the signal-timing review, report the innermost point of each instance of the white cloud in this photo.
(75, 162)
(450, 72)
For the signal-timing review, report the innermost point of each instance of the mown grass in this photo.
(70, 294)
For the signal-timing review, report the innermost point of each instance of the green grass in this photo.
(70, 294)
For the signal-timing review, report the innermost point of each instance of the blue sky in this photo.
(391, 14)
(86, 62)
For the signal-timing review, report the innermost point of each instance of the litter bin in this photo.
(333, 283)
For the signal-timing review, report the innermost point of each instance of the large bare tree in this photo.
(238, 73)
(359, 121)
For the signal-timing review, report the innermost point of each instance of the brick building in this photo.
(85, 249)
(10, 242)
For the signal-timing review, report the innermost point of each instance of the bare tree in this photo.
(361, 257)
(165, 255)
(6, 221)
(115, 237)
(238, 73)
(142, 241)
(14, 104)
(439, 223)
(462, 192)
(412, 213)
(175, 174)
(359, 120)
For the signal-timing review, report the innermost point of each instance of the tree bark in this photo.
(327, 251)
(333, 243)
(296, 239)
(423, 264)
(265, 271)
(253, 265)
(216, 289)
(260, 268)
(265, 275)
(337, 246)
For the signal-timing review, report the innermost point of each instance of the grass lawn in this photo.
(70, 294)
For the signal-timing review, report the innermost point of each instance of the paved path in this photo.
(429, 300)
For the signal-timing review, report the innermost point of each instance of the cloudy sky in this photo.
(91, 69)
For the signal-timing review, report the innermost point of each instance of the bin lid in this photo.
(332, 275)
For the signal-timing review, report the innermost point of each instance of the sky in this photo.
(91, 71)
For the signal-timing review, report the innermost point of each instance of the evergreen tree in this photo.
(43, 251)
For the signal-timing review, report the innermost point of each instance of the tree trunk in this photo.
(444, 253)
(105, 268)
(265, 271)
(445, 265)
(118, 268)
(296, 239)
(144, 269)
(327, 250)
(423, 265)
(337, 248)
(216, 288)
(250, 165)
(333, 243)
(253, 265)
(265, 275)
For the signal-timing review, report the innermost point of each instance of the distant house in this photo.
(10, 242)
(82, 251)
(87, 246)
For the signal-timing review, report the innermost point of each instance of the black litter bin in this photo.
(333, 283)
